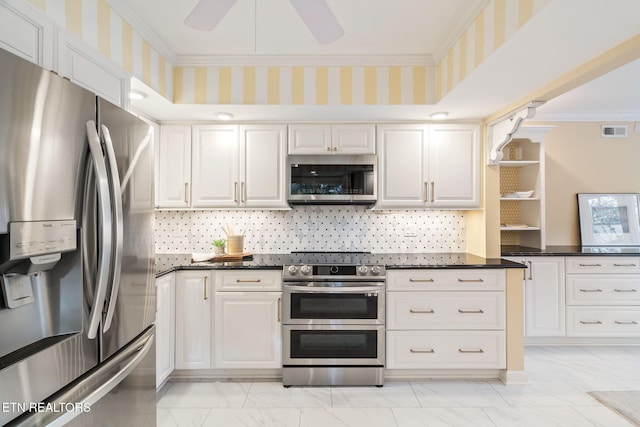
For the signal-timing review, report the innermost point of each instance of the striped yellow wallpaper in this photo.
(297, 85)
(493, 26)
(108, 33)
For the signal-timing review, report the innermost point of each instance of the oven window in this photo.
(334, 344)
(333, 306)
(332, 179)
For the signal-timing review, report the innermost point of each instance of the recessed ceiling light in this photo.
(136, 94)
(439, 115)
(224, 116)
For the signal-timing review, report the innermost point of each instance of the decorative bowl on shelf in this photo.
(519, 195)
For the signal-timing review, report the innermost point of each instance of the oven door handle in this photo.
(334, 290)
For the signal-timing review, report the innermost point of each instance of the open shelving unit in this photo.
(522, 220)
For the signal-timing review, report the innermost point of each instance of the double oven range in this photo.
(333, 321)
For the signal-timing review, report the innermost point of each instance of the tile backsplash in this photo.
(314, 228)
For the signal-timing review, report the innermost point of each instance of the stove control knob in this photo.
(375, 270)
(362, 270)
(305, 270)
(293, 270)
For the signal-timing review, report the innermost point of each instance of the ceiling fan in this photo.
(316, 15)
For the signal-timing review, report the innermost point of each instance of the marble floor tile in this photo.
(253, 417)
(452, 393)
(544, 394)
(558, 353)
(274, 395)
(601, 416)
(347, 417)
(214, 394)
(180, 417)
(394, 394)
(537, 417)
(442, 417)
(614, 352)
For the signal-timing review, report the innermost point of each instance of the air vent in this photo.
(610, 131)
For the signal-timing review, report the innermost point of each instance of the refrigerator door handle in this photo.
(102, 184)
(85, 393)
(118, 218)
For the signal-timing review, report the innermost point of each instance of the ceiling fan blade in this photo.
(208, 13)
(320, 20)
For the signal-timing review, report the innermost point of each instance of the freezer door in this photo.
(130, 305)
(119, 392)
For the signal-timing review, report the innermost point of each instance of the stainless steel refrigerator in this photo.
(77, 306)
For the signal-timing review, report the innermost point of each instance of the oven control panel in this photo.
(309, 271)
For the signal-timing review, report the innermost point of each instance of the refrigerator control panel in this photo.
(28, 239)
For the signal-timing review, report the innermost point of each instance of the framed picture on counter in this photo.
(609, 219)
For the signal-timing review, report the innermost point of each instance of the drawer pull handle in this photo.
(414, 311)
(471, 311)
(591, 322)
(590, 290)
(625, 265)
(247, 280)
(470, 280)
(471, 351)
(413, 350)
(632, 322)
(590, 265)
(625, 290)
(421, 280)
(204, 289)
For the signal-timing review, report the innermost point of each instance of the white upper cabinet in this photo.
(89, 69)
(331, 139)
(402, 157)
(222, 166)
(214, 163)
(262, 166)
(454, 175)
(26, 34)
(428, 166)
(174, 167)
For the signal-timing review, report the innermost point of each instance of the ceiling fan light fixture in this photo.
(208, 13)
(320, 20)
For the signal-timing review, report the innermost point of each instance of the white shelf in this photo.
(518, 199)
(518, 163)
(528, 228)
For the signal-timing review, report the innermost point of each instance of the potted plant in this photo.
(219, 246)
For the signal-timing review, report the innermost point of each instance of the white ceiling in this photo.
(562, 36)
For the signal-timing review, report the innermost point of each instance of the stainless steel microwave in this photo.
(332, 179)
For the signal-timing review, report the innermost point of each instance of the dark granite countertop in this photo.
(166, 263)
(570, 251)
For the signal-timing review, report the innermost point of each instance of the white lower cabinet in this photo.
(453, 319)
(544, 300)
(193, 319)
(603, 296)
(165, 327)
(247, 330)
(248, 327)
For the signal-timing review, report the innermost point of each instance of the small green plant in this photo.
(219, 243)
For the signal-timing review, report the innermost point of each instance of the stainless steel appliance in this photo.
(77, 305)
(332, 179)
(333, 323)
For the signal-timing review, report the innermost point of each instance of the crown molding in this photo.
(304, 60)
(603, 116)
(458, 29)
(127, 12)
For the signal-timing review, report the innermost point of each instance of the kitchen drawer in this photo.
(603, 322)
(623, 289)
(446, 280)
(603, 264)
(446, 350)
(248, 280)
(445, 310)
